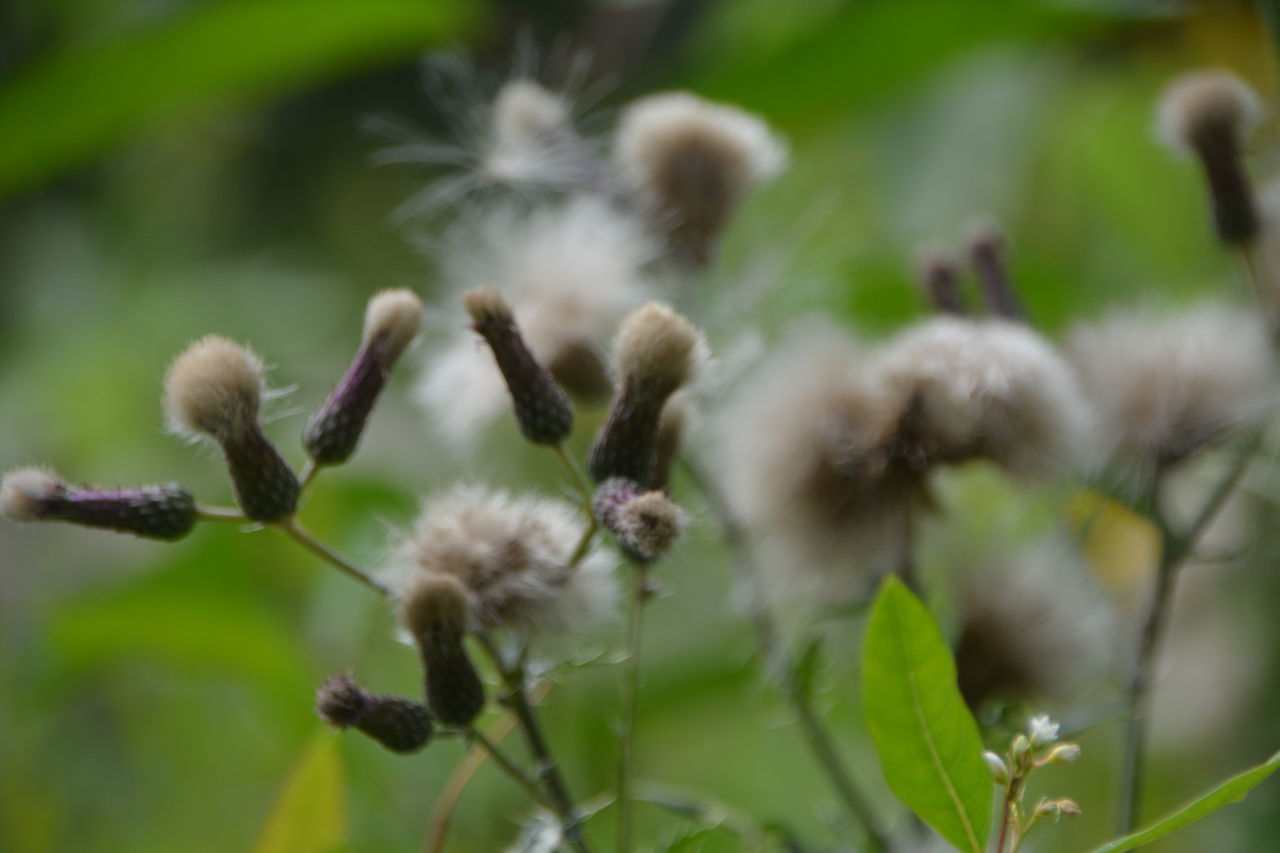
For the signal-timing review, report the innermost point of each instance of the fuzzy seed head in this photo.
(395, 317)
(22, 491)
(511, 556)
(646, 522)
(1167, 385)
(213, 389)
(658, 349)
(1203, 106)
(486, 305)
(524, 114)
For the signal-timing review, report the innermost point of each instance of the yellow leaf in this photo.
(310, 815)
(1121, 546)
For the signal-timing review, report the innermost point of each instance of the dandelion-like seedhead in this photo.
(1167, 385)
(690, 161)
(511, 554)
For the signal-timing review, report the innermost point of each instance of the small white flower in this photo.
(1043, 730)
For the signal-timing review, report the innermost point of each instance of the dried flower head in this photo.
(392, 321)
(989, 389)
(542, 409)
(511, 555)
(1165, 386)
(645, 522)
(808, 459)
(1031, 626)
(570, 273)
(657, 351)
(214, 389)
(165, 512)
(1211, 114)
(436, 610)
(691, 161)
(399, 724)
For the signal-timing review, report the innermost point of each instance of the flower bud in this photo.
(399, 724)
(392, 321)
(436, 611)
(987, 253)
(1211, 113)
(999, 770)
(1020, 748)
(542, 409)
(214, 390)
(1057, 808)
(672, 426)
(1063, 753)
(165, 512)
(657, 351)
(645, 523)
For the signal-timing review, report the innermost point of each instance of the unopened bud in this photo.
(987, 253)
(214, 390)
(657, 351)
(399, 724)
(392, 321)
(1020, 747)
(1057, 808)
(999, 770)
(645, 523)
(542, 409)
(672, 427)
(165, 512)
(941, 278)
(436, 612)
(1210, 113)
(1063, 753)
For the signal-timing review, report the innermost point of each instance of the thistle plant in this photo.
(824, 470)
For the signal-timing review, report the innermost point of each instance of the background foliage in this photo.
(171, 168)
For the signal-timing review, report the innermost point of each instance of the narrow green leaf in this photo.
(67, 109)
(1231, 791)
(311, 814)
(928, 741)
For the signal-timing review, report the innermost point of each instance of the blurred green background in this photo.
(172, 168)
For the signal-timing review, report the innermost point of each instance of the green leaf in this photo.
(928, 741)
(1231, 791)
(311, 814)
(68, 108)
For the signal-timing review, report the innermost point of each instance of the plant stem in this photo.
(782, 668)
(628, 698)
(548, 772)
(1174, 550)
(303, 537)
(462, 774)
(508, 766)
(307, 475)
(221, 513)
(584, 492)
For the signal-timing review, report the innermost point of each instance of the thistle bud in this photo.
(392, 321)
(988, 254)
(657, 351)
(214, 390)
(941, 279)
(435, 611)
(165, 512)
(399, 724)
(999, 770)
(542, 409)
(645, 523)
(1210, 114)
(692, 161)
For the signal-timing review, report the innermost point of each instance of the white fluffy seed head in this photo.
(649, 524)
(525, 113)
(1031, 625)
(658, 348)
(24, 489)
(1201, 105)
(990, 389)
(486, 305)
(569, 272)
(213, 389)
(1166, 386)
(659, 134)
(396, 316)
(803, 449)
(511, 554)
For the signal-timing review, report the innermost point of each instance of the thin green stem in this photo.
(302, 536)
(1175, 549)
(783, 669)
(308, 475)
(521, 778)
(628, 699)
(221, 513)
(548, 771)
(585, 494)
